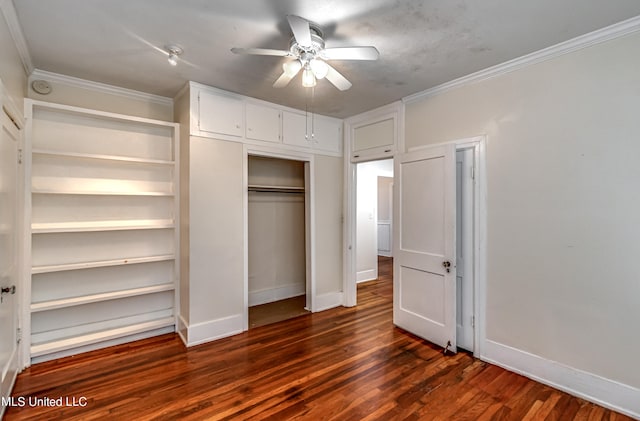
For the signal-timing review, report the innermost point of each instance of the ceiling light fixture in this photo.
(319, 67)
(308, 78)
(174, 52)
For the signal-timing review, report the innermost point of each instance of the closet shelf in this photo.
(100, 263)
(92, 226)
(275, 189)
(92, 338)
(86, 299)
(118, 158)
(102, 192)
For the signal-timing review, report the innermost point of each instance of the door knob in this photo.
(7, 290)
(447, 265)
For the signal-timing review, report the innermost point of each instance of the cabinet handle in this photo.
(387, 150)
(356, 156)
(237, 126)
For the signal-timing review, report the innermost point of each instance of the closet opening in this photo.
(277, 236)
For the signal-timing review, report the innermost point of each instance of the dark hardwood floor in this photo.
(340, 364)
(277, 311)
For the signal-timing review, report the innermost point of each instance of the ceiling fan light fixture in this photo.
(308, 78)
(319, 68)
(291, 68)
(174, 52)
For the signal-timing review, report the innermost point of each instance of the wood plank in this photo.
(341, 364)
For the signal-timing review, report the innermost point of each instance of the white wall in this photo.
(563, 203)
(12, 72)
(86, 94)
(216, 288)
(328, 232)
(366, 216)
(385, 216)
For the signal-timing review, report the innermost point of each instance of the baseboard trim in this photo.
(605, 392)
(274, 294)
(367, 275)
(199, 333)
(327, 301)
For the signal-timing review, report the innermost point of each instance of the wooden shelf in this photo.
(102, 193)
(92, 338)
(100, 263)
(93, 226)
(103, 157)
(86, 299)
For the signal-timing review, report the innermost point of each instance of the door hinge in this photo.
(19, 156)
(473, 173)
(18, 335)
(473, 321)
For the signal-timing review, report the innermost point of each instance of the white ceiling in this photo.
(422, 43)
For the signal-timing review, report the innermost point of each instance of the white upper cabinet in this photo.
(294, 129)
(327, 134)
(227, 116)
(263, 123)
(319, 132)
(375, 139)
(220, 114)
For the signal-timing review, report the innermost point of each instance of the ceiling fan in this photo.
(307, 48)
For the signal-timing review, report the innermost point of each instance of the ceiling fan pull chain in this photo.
(306, 116)
(313, 116)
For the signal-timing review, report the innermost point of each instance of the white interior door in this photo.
(9, 137)
(424, 290)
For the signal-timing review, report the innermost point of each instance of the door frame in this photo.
(310, 224)
(16, 363)
(478, 144)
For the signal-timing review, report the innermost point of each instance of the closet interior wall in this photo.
(276, 224)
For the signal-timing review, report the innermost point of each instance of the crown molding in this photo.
(13, 24)
(608, 33)
(100, 87)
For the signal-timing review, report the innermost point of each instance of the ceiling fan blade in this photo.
(337, 79)
(300, 29)
(351, 53)
(261, 52)
(283, 80)
(291, 69)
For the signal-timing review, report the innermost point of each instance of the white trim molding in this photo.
(608, 33)
(199, 333)
(15, 29)
(605, 392)
(270, 295)
(327, 301)
(100, 87)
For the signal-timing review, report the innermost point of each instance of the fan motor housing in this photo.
(317, 42)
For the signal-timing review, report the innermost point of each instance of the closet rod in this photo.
(275, 190)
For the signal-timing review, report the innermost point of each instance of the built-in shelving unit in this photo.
(102, 202)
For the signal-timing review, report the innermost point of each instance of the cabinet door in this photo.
(327, 134)
(263, 123)
(220, 114)
(294, 129)
(373, 139)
